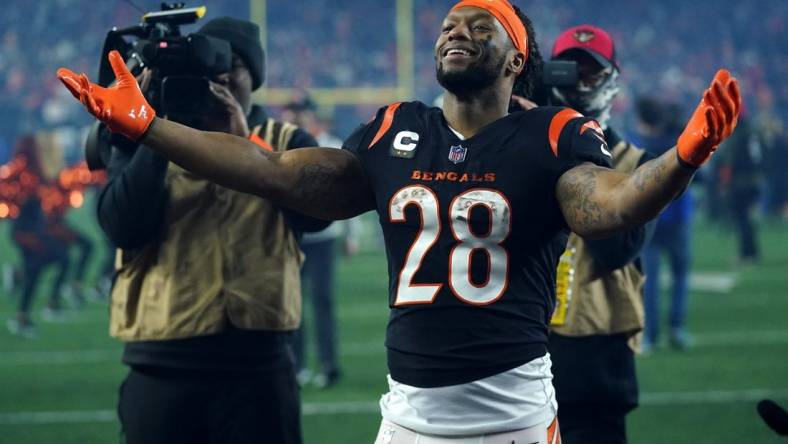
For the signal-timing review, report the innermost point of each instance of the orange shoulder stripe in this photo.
(260, 142)
(557, 125)
(388, 119)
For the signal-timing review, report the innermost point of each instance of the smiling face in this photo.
(473, 51)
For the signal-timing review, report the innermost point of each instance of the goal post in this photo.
(332, 96)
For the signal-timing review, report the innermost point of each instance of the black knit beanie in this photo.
(244, 38)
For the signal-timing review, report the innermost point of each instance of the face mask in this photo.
(592, 101)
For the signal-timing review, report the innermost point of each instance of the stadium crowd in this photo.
(354, 46)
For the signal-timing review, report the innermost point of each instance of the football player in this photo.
(474, 204)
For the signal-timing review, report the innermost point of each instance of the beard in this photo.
(475, 77)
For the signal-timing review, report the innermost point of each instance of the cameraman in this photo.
(208, 287)
(599, 315)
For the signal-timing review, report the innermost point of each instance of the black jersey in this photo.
(473, 232)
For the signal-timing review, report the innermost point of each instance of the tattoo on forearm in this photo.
(649, 173)
(328, 188)
(313, 181)
(597, 201)
(576, 194)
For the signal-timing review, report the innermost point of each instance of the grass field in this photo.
(62, 387)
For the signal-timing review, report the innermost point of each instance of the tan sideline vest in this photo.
(591, 301)
(223, 256)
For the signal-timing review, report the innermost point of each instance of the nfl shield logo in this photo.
(457, 153)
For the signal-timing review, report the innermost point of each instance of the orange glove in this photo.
(712, 122)
(122, 107)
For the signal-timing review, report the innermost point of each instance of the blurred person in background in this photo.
(596, 327)
(467, 335)
(659, 124)
(208, 293)
(319, 270)
(37, 193)
(39, 249)
(771, 133)
(302, 111)
(741, 180)
(58, 199)
(22, 182)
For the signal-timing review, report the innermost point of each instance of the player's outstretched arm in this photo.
(320, 182)
(324, 183)
(597, 202)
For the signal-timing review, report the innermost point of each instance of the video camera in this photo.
(181, 65)
(559, 73)
(554, 73)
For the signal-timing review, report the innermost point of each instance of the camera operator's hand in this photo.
(229, 106)
(712, 122)
(122, 107)
(144, 79)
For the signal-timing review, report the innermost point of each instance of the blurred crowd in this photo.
(353, 46)
(36, 38)
(667, 48)
(665, 45)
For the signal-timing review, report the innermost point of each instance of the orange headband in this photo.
(504, 12)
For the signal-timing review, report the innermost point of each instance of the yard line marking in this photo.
(710, 281)
(371, 407)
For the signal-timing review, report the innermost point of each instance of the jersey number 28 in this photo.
(461, 254)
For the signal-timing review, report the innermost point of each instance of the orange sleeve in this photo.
(557, 125)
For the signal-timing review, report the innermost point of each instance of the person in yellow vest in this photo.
(599, 312)
(207, 289)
